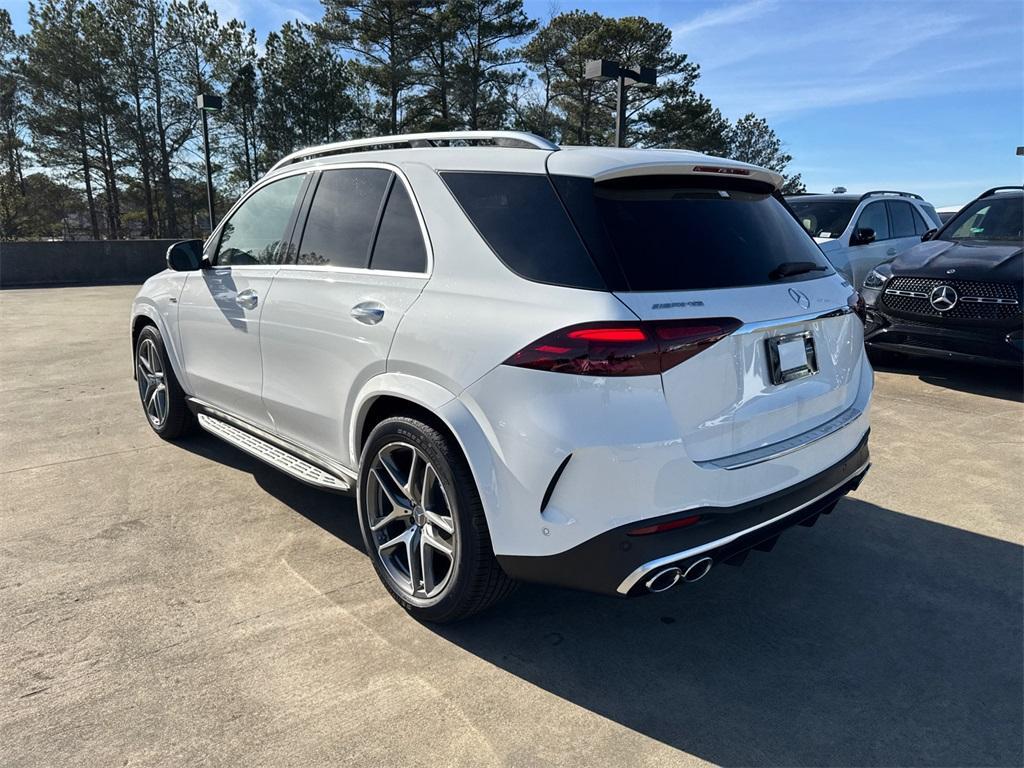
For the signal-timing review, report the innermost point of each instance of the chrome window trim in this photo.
(630, 581)
(337, 165)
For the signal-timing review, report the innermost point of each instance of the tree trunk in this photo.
(113, 199)
(142, 147)
(83, 145)
(170, 227)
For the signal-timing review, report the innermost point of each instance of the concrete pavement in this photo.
(183, 604)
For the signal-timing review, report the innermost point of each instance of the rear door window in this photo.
(873, 217)
(399, 245)
(522, 220)
(902, 216)
(342, 217)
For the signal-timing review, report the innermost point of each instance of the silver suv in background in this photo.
(859, 232)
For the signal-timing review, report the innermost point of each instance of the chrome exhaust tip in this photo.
(697, 570)
(664, 579)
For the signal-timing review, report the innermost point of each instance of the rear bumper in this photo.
(616, 563)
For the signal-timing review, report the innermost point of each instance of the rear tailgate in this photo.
(724, 400)
(685, 246)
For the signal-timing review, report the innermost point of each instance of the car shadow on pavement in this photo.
(874, 638)
(334, 512)
(1002, 382)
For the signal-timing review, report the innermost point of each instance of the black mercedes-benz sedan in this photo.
(958, 294)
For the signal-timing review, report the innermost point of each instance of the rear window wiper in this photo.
(791, 268)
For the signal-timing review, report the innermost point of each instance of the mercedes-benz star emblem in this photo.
(800, 298)
(943, 298)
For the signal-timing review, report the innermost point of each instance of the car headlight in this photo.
(876, 279)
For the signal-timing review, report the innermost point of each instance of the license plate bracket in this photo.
(791, 357)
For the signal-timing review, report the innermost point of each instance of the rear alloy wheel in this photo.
(410, 521)
(423, 524)
(163, 399)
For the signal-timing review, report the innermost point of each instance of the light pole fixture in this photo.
(601, 70)
(208, 102)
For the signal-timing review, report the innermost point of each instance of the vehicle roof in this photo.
(850, 198)
(599, 163)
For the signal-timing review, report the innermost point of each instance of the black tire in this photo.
(477, 580)
(179, 421)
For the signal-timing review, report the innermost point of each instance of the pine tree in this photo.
(752, 140)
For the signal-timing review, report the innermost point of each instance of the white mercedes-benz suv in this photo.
(607, 369)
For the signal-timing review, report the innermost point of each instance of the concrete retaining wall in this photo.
(80, 262)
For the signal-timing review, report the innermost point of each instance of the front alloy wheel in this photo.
(163, 399)
(149, 370)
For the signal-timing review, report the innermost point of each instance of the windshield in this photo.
(999, 217)
(824, 218)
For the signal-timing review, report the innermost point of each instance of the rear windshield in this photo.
(824, 218)
(673, 233)
(652, 233)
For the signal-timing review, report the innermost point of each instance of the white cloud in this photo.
(724, 16)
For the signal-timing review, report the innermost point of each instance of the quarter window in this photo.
(522, 220)
(902, 216)
(873, 217)
(920, 226)
(255, 232)
(342, 217)
(399, 245)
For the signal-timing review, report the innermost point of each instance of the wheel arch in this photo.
(144, 314)
(392, 394)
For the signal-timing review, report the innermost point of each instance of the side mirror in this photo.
(185, 256)
(862, 236)
(929, 235)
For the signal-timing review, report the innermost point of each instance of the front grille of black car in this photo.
(976, 300)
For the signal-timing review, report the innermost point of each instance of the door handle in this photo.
(891, 252)
(247, 299)
(368, 312)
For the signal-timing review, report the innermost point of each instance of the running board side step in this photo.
(273, 455)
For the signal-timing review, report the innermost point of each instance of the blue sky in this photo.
(921, 95)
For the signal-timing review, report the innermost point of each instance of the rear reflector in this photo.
(623, 348)
(662, 527)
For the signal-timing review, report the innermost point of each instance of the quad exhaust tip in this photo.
(697, 570)
(666, 578)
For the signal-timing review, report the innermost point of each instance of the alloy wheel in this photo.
(149, 370)
(411, 521)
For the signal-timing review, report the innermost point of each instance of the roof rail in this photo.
(866, 195)
(992, 191)
(517, 139)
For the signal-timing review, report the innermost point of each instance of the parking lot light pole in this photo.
(208, 103)
(602, 70)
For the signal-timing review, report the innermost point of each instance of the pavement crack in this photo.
(80, 458)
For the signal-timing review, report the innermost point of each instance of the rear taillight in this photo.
(623, 348)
